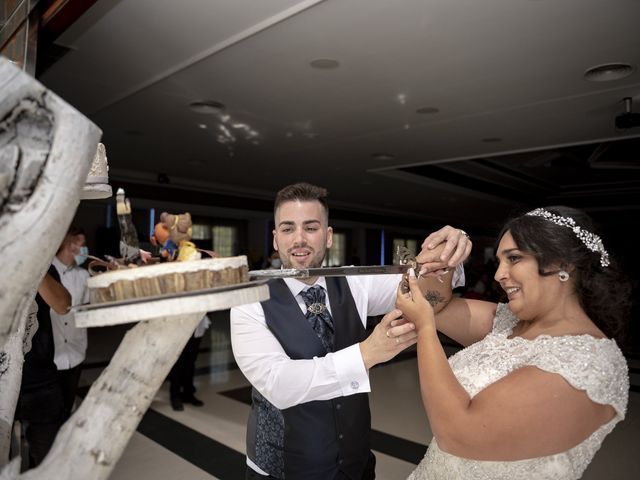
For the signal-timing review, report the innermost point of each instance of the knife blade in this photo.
(330, 271)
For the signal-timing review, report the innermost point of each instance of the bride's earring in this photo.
(563, 275)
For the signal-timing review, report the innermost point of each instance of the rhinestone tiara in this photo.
(592, 241)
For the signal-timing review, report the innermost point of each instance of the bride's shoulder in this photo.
(595, 365)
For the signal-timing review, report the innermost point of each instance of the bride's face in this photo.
(528, 292)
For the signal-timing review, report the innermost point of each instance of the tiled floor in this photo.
(208, 442)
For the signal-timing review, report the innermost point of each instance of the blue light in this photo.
(382, 247)
(152, 221)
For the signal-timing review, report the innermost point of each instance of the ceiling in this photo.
(454, 110)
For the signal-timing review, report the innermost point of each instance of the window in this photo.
(225, 240)
(337, 254)
(200, 231)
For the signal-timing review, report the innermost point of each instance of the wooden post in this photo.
(91, 442)
(46, 150)
(11, 360)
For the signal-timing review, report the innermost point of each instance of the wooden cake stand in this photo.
(91, 442)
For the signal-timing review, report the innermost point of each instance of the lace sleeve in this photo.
(504, 320)
(596, 366)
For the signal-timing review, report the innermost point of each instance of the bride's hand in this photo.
(414, 306)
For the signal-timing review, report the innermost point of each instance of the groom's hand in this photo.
(392, 335)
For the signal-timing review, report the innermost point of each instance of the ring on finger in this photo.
(464, 233)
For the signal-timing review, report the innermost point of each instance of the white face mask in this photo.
(82, 255)
(276, 263)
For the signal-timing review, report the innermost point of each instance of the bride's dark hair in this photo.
(604, 292)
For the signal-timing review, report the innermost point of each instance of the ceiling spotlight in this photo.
(608, 72)
(382, 156)
(324, 63)
(207, 107)
(427, 110)
(202, 126)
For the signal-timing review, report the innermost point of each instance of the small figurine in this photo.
(130, 250)
(173, 234)
(160, 238)
(129, 245)
(179, 226)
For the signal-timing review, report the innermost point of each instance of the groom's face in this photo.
(302, 234)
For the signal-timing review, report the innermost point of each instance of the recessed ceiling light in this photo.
(427, 110)
(209, 107)
(492, 140)
(202, 126)
(324, 63)
(382, 156)
(609, 72)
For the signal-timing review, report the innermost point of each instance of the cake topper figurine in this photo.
(130, 250)
(172, 235)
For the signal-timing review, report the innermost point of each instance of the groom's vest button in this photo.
(338, 406)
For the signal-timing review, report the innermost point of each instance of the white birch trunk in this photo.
(91, 442)
(46, 149)
(11, 362)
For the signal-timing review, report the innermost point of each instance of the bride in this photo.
(541, 381)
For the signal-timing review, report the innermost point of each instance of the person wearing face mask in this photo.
(70, 341)
(274, 261)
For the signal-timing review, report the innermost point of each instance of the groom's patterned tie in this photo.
(319, 316)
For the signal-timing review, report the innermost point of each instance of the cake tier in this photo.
(170, 277)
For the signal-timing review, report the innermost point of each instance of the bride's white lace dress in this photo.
(596, 366)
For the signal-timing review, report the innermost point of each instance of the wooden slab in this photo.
(134, 310)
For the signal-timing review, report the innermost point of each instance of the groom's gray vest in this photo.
(313, 440)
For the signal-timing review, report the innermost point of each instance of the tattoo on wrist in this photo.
(434, 297)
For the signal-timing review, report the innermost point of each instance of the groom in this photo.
(307, 354)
